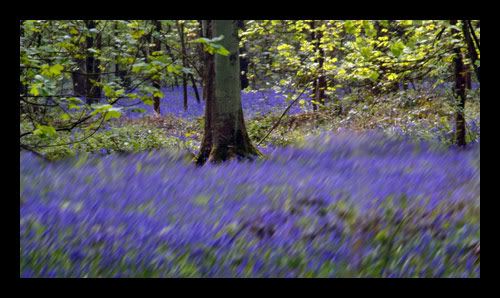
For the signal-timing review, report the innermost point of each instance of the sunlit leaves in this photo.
(51, 71)
(108, 110)
(366, 52)
(373, 75)
(45, 131)
(212, 46)
(137, 31)
(34, 90)
(350, 27)
(397, 48)
(65, 117)
(392, 77)
(370, 30)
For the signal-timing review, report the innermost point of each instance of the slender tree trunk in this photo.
(156, 82)
(206, 31)
(319, 83)
(180, 29)
(225, 133)
(119, 73)
(93, 91)
(24, 88)
(315, 82)
(79, 81)
(171, 55)
(460, 89)
(201, 53)
(195, 89)
(78, 76)
(321, 86)
(394, 86)
(474, 36)
(472, 51)
(243, 60)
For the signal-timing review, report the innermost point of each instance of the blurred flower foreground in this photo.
(339, 205)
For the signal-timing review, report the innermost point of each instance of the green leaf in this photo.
(211, 46)
(65, 117)
(138, 67)
(174, 69)
(158, 94)
(349, 27)
(51, 71)
(45, 131)
(222, 51)
(397, 48)
(72, 106)
(366, 52)
(147, 101)
(56, 69)
(204, 40)
(74, 100)
(34, 90)
(108, 91)
(392, 77)
(374, 75)
(100, 108)
(112, 114)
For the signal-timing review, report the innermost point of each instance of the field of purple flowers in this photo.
(339, 205)
(254, 103)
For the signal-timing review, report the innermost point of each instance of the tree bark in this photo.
(243, 60)
(472, 51)
(225, 135)
(321, 85)
(92, 90)
(78, 76)
(460, 89)
(156, 82)
(180, 29)
(171, 55)
(315, 82)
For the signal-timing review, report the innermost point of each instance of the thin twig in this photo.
(283, 114)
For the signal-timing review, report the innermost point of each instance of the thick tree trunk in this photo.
(460, 89)
(225, 133)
